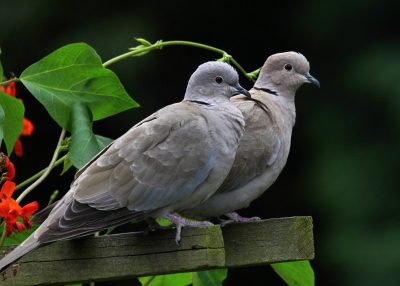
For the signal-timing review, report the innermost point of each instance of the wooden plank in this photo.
(120, 256)
(129, 255)
(269, 241)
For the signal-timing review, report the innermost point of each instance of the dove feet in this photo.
(235, 217)
(182, 222)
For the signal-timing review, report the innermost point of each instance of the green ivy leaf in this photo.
(103, 141)
(74, 74)
(66, 165)
(202, 278)
(297, 273)
(84, 143)
(11, 120)
(209, 278)
(178, 279)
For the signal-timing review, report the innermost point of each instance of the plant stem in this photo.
(3, 233)
(37, 175)
(240, 68)
(160, 44)
(53, 197)
(10, 80)
(48, 170)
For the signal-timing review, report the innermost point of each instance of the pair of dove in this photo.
(206, 156)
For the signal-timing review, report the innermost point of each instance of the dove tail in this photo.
(22, 249)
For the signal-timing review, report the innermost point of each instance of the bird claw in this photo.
(235, 217)
(178, 235)
(182, 222)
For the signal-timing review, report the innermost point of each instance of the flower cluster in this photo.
(28, 126)
(10, 210)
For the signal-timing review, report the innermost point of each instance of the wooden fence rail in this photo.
(129, 255)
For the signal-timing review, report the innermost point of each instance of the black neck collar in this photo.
(200, 102)
(267, 90)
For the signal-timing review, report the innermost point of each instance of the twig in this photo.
(9, 81)
(37, 175)
(47, 172)
(141, 50)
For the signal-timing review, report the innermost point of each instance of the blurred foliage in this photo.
(296, 273)
(179, 279)
(202, 278)
(354, 177)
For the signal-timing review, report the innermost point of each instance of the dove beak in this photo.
(241, 90)
(312, 80)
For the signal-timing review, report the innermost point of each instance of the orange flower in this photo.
(28, 126)
(9, 88)
(10, 210)
(27, 130)
(7, 168)
(18, 149)
(7, 190)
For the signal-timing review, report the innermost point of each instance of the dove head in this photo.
(284, 73)
(214, 81)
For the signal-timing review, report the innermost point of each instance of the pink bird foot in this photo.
(235, 217)
(182, 222)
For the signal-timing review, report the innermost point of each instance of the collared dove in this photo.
(264, 147)
(172, 160)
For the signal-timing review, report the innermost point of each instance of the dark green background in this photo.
(343, 167)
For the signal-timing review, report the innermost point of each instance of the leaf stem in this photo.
(158, 46)
(37, 175)
(10, 80)
(140, 50)
(240, 68)
(47, 171)
(3, 233)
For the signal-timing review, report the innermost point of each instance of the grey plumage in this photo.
(172, 160)
(264, 147)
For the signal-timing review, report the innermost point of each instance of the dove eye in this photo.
(219, 79)
(288, 67)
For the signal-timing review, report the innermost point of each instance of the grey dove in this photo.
(264, 147)
(172, 160)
